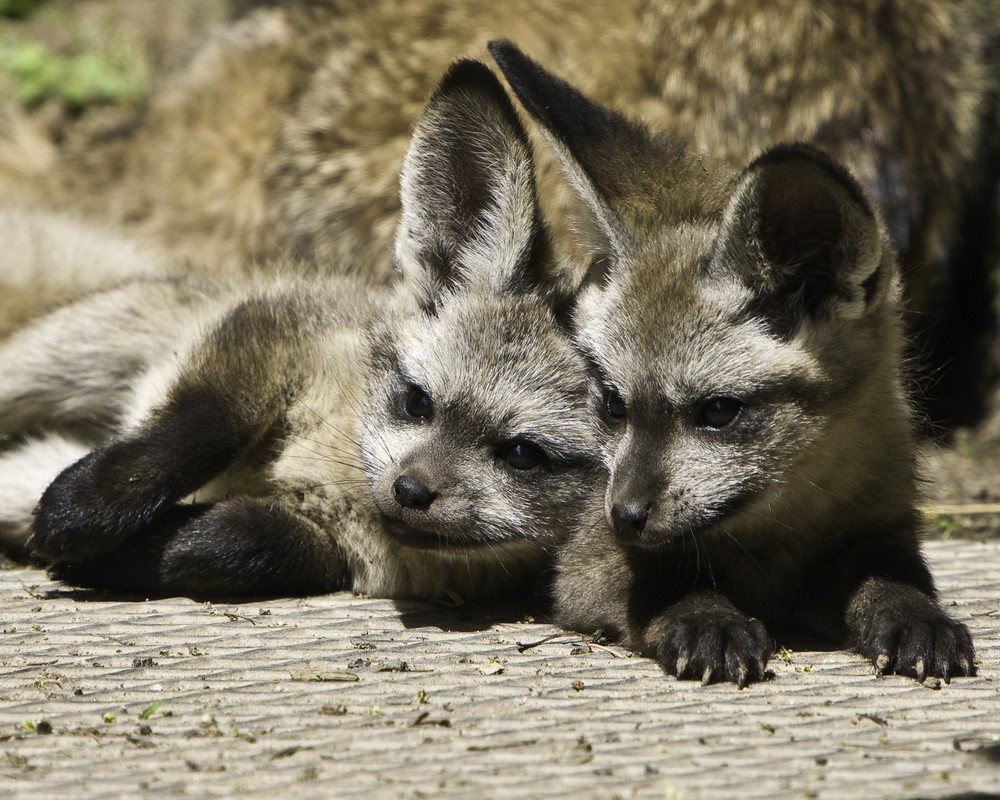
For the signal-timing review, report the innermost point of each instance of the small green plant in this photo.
(18, 8)
(945, 526)
(788, 656)
(112, 75)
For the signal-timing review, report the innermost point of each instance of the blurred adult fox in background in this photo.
(288, 127)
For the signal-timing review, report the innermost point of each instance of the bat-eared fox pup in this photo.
(746, 327)
(294, 437)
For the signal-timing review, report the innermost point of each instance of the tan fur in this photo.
(289, 127)
(48, 258)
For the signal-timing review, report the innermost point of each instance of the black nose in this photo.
(410, 492)
(629, 519)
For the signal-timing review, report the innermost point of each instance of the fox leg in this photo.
(902, 629)
(227, 398)
(74, 370)
(234, 548)
(882, 603)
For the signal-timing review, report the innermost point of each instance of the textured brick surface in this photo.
(345, 697)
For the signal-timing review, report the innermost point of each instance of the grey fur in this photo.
(746, 325)
(284, 436)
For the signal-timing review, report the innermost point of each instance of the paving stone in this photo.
(348, 697)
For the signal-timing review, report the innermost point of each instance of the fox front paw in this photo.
(81, 515)
(932, 646)
(240, 547)
(716, 647)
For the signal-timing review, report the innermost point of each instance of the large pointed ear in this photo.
(801, 235)
(469, 210)
(621, 171)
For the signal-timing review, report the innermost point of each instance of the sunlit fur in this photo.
(48, 258)
(315, 375)
(773, 287)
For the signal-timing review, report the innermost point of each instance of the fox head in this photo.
(744, 324)
(480, 424)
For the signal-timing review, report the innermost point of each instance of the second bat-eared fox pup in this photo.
(293, 437)
(745, 324)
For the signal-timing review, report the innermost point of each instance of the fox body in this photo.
(288, 128)
(293, 437)
(746, 326)
(51, 258)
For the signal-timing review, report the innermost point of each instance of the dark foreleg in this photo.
(902, 629)
(228, 396)
(236, 548)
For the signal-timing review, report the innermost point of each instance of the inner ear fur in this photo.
(604, 156)
(800, 232)
(469, 211)
(630, 180)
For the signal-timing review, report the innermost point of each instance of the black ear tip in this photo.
(467, 80)
(798, 151)
(504, 50)
(546, 97)
(515, 65)
(518, 68)
(467, 72)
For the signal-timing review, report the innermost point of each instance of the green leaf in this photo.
(18, 8)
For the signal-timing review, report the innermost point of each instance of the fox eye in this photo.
(418, 403)
(718, 412)
(522, 455)
(614, 404)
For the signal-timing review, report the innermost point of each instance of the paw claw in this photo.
(743, 677)
(681, 665)
(715, 645)
(881, 663)
(926, 644)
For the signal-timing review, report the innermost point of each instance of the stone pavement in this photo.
(347, 697)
